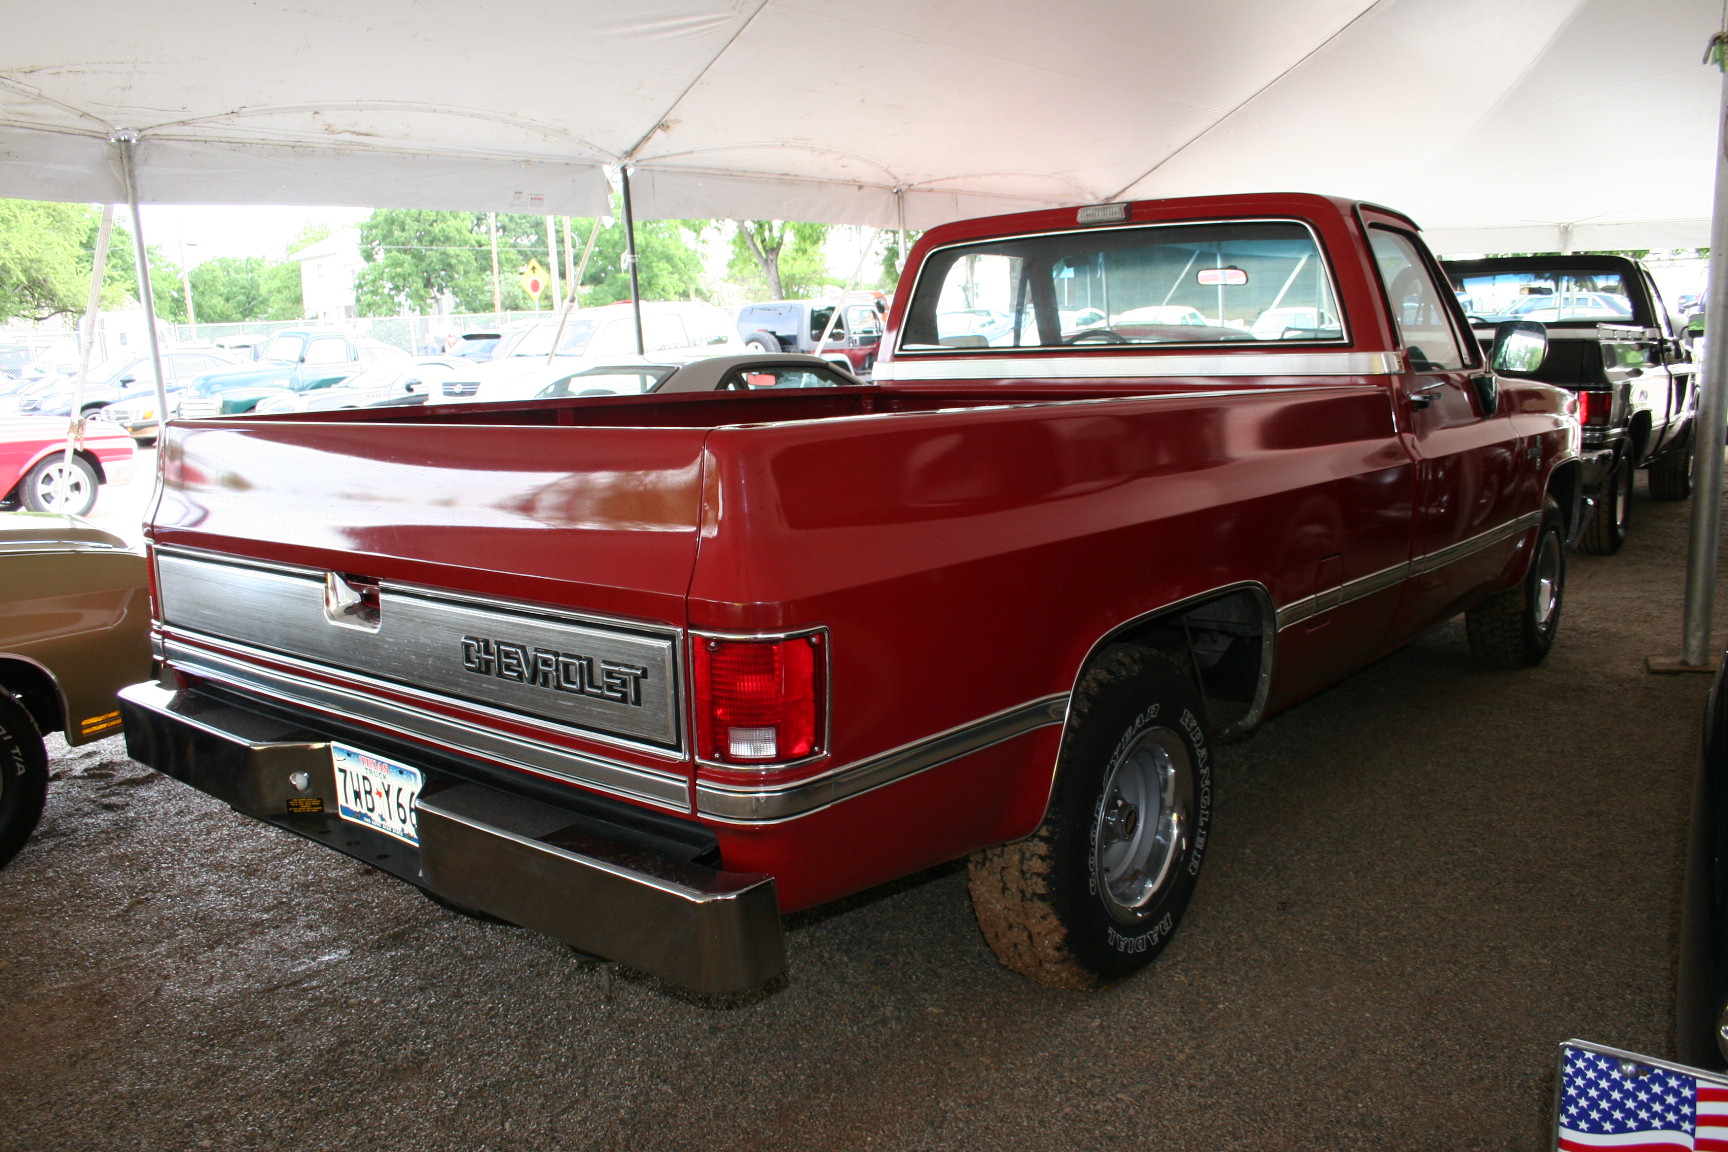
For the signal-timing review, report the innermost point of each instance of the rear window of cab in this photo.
(1228, 282)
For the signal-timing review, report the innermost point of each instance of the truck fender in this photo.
(1243, 612)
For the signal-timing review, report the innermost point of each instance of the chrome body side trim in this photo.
(242, 670)
(1152, 365)
(621, 683)
(743, 803)
(1299, 610)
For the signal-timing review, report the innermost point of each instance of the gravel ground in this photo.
(1422, 881)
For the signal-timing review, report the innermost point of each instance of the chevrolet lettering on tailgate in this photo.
(560, 671)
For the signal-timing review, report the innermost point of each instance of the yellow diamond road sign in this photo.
(533, 279)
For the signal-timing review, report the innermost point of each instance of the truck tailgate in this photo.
(601, 519)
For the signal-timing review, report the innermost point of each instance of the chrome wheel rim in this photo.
(1547, 587)
(59, 488)
(1142, 824)
(1623, 495)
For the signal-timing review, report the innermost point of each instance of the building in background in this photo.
(327, 273)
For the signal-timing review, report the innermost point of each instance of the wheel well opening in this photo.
(1639, 433)
(1563, 487)
(1225, 643)
(34, 689)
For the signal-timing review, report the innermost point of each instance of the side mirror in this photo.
(1520, 346)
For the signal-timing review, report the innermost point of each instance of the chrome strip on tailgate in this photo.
(669, 789)
(622, 683)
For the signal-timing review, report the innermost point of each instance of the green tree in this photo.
(894, 257)
(120, 273)
(43, 271)
(669, 260)
(782, 259)
(229, 289)
(282, 297)
(414, 257)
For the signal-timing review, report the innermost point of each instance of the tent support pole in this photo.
(125, 142)
(834, 316)
(630, 258)
(1707, 433)
(570, 287)
(87, 339)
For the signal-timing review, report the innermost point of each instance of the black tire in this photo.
(1096, 892)
(1515, 628)
(1605, 528)
(51, 487)
(1670, 476)
(759, 345)
(23, 776)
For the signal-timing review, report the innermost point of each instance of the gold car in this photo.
(74, 619)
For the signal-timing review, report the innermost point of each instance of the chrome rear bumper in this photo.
(531, 863)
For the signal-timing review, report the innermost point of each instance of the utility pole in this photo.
(186, 282)
(497, 292)
(552, 263)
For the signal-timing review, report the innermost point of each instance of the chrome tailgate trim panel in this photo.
(592, 679)
(242, 670)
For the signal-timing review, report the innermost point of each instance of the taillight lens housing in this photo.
(760, 702)
(1593, 408)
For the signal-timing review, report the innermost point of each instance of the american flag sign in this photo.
(1632, 1103)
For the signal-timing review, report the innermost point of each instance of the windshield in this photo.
(476, 347)
(1191, 283)
(1549, 296)
(538, 341)
(623, 381)
(284, 347)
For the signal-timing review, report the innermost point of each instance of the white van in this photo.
(671, 332)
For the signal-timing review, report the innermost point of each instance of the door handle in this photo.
(1424, 396)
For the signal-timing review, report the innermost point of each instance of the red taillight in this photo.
(759, 701)
(1593, 407)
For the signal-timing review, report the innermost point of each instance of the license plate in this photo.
(376, 792)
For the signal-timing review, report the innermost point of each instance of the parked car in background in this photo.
(297, 360)
(34, 472)
(385, 381)
(118, 380)
(797, 326)
(246, 347)
(13, 358)
(674, 330)
(1612, 342)
(74, 620)
(747, 373)
(483, 346)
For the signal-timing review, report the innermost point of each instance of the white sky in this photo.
(210, 231)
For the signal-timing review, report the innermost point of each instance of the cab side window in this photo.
(1418, 307)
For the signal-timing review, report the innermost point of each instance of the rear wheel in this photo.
(1096, 892)
(55, 486)
(1671, 475)
(1515, 628)
(1605, 530)
(23, 776)
(759, 345)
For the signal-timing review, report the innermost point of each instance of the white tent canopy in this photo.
(1537, 125)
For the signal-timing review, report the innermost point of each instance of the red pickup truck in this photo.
(647, 673)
